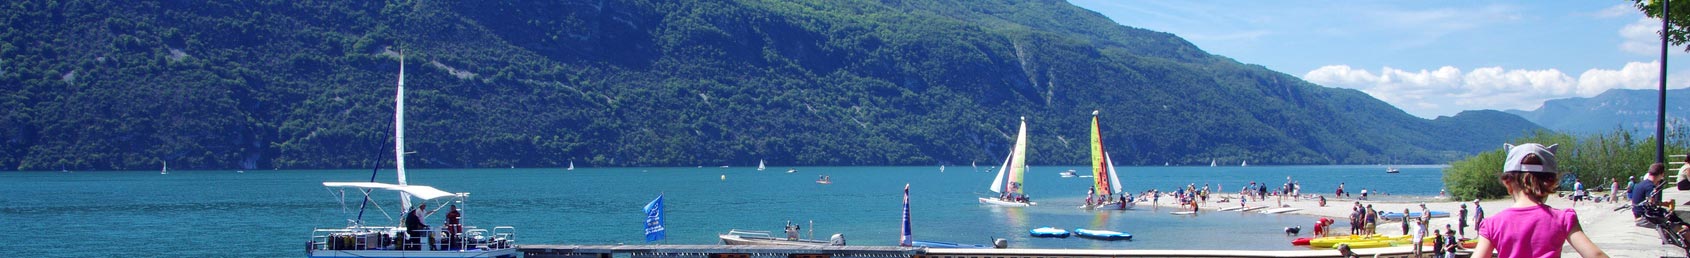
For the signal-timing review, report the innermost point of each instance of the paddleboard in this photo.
(1252, 208)
(1182, 213)
(1232, 208)
(1281, 210)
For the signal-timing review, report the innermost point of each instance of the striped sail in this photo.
(1014, 166)
(1102, 168)
(1018, 159)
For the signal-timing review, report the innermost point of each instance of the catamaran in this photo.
(1104, 179)
(358, 239)
(1008, 181)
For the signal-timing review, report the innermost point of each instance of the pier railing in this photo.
(750, 251)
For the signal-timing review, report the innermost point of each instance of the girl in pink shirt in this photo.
(1530, 228)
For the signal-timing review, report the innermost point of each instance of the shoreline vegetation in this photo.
(1593, 159)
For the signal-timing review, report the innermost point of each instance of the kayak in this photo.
(1367, 244)
(1048, 232)
(1324, 242)
(1364, 241)
(1301, 241)
(1102, 234)
(1395, 216)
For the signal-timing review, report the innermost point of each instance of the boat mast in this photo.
(399, 133)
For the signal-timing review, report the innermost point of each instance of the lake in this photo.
(272, 213)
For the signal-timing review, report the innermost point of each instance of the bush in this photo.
(1593, 159)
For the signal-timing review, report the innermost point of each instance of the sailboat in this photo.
(357, 239)
(571, 166)
(1211, 162)
(1008, 181)
(164, 170)
(760, 165)
(941, 168)
(1244, 163)
(1104, 179)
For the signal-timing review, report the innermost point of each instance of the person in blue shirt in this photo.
(1644, 192)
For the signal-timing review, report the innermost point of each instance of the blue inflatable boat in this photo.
(1048, 232)
(1102, 234)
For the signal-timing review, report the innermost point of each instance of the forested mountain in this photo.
(309, 84)
(1615, 109)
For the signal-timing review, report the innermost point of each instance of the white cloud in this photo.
(1617, 10)
(1641, 37)
(1448, 90)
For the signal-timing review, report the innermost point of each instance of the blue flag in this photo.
(654, 220)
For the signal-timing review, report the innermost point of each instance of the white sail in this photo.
(399, 133)
(760, 165)
(997, 182)
(1114, 179)
(1211, 162)
(571, 165)
(1244, 163)
(165, 169)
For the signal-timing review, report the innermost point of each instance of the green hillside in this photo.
(307, 84)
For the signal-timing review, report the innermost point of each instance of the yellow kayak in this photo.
(1376, 241)
(1330, 241)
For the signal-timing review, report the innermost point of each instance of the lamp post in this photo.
(1661, 108)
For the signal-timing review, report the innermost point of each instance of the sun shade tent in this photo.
(420, 191)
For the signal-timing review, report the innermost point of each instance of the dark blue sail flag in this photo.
(904, 240)
(654, 220)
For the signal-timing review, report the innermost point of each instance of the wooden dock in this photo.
(746, 251)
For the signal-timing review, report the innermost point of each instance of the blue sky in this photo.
(1430, 58)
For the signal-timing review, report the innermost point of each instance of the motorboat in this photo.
(753, 237)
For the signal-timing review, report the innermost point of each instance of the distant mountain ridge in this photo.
(290, 84)
(1614, 109)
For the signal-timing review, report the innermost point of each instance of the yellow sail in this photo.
(1104, 180)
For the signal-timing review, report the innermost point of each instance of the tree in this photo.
(1677, 34)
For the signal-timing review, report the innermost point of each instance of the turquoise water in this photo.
(271, 213)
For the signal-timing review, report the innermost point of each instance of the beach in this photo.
(1612, 231)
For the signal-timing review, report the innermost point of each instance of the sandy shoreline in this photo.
(1611, 230)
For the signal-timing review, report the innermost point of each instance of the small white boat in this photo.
(1010, 203)
(760, 165)
(571, 166)
(750, 237)
(165, 170)
(1069, 173)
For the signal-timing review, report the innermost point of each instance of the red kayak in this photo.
(1301, 241)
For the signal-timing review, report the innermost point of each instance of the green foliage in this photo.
(1595, 159)
(304, 84)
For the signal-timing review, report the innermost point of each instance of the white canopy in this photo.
(419, 191)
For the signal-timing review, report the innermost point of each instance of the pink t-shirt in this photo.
(1529, 231)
